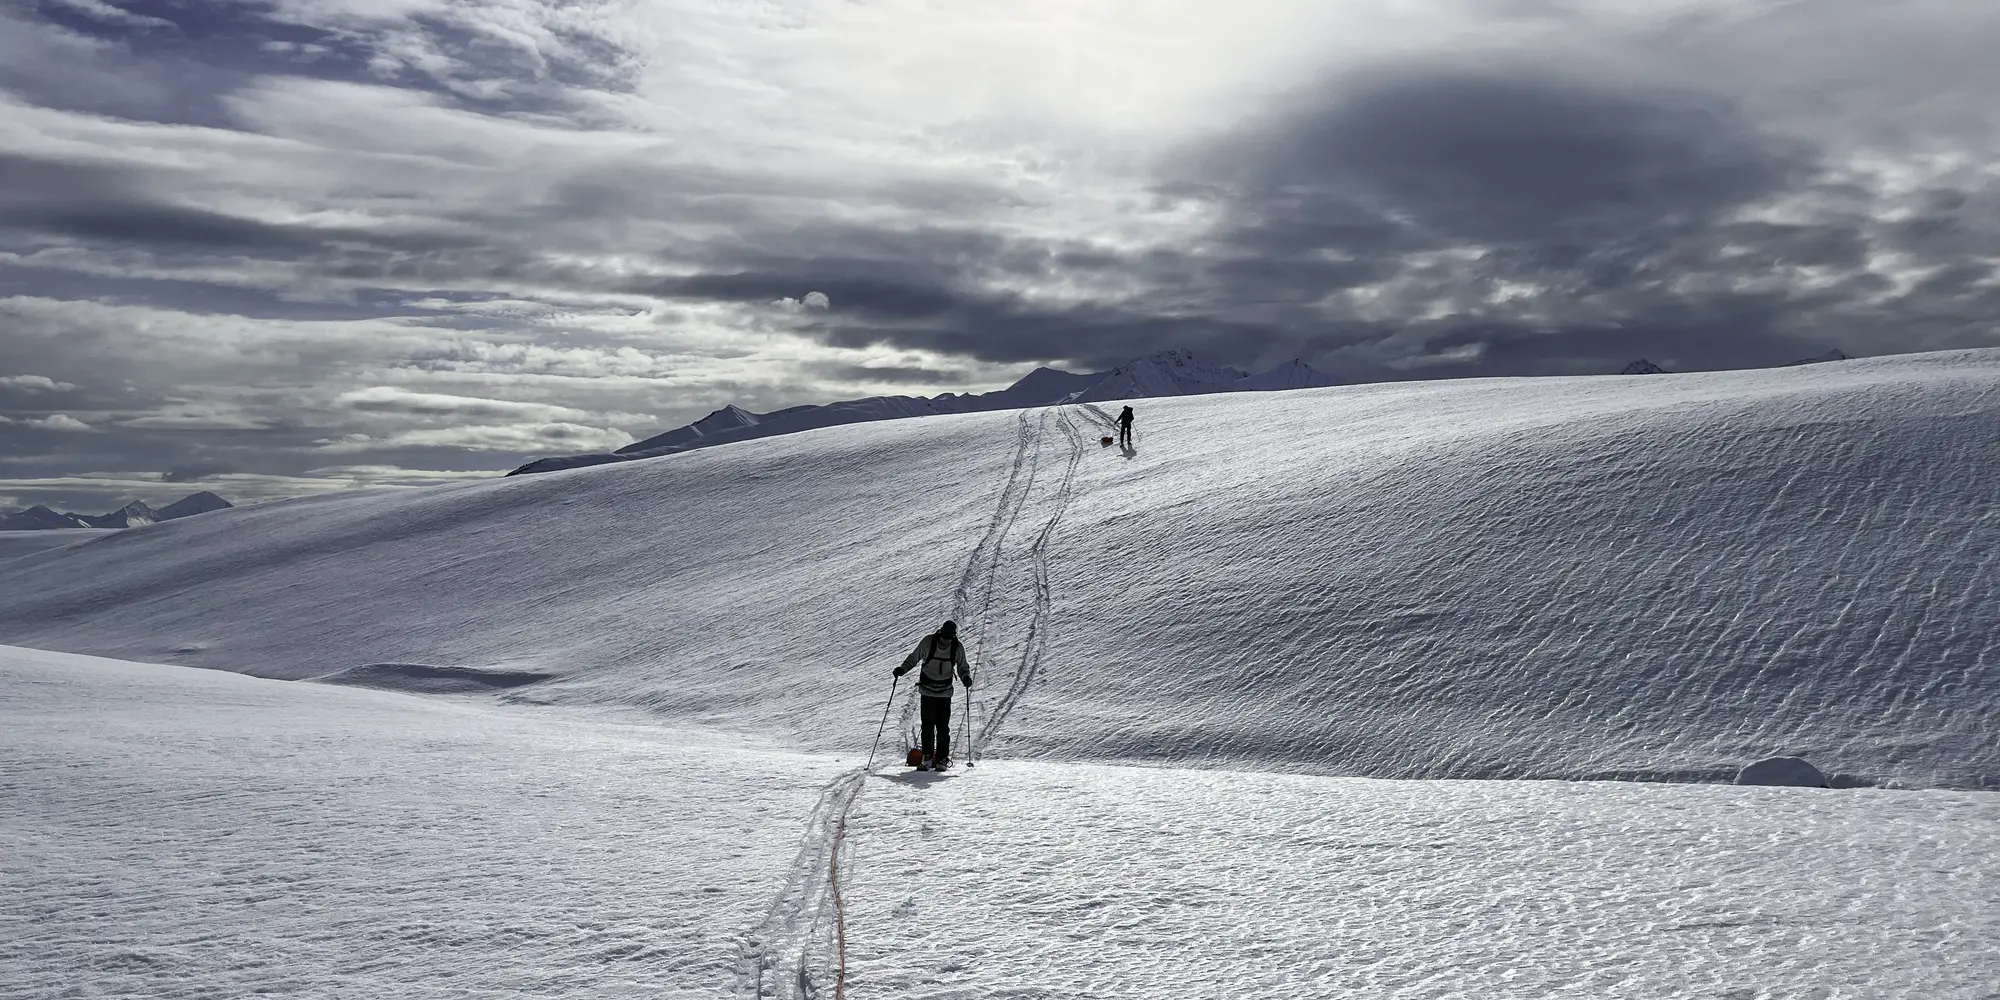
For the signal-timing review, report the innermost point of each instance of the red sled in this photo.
(915, 757)
(1105, 441)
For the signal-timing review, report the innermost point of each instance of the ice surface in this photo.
(1665, 577)
(173, 833)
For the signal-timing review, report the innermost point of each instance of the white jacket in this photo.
(934, 680)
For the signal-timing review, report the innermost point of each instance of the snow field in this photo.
(184, 833)
(1660, 577)
(180, 833)
(1033, 880)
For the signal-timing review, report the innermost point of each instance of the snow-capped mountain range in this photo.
(132, 515)
(1167, 373)
(1645, 366)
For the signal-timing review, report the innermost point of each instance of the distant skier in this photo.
(938, 653)
(1125, 428)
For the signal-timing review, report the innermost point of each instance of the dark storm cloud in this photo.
(1612, 211)
(115, 207)
(174, 60)
(906, 374)
(1508, 155)
(1556, 223)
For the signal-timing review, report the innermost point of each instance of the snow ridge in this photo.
(1167, 373)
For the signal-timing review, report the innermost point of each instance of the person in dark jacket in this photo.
(1125, 428)
(938, 654)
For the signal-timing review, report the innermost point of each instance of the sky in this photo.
(276, 247)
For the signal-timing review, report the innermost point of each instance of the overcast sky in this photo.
(270, 247)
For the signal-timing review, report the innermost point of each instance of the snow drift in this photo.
(1666, 577)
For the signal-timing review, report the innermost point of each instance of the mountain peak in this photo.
(1293, 374)
(193, 503)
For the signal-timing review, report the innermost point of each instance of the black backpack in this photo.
(943, 651)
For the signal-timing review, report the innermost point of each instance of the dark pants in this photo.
(936, 727)
(1125, 434)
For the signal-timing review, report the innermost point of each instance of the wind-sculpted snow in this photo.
(190, 834)
(1666, 577)
(1064, 880)
(186, 834)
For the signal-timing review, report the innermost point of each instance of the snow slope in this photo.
(1052, 880)
(179, 834)
(184, 833)
(20, 543)
(1664, 577)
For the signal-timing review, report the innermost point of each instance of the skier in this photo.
(1125, 428)
(938, 653)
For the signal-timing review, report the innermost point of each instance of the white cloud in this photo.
(35, 383)
(105, 13)
(810, 302)
(184, 416)
(530, 438)
(52, 422)
(394, 475)
(235, 487)
(389, 399)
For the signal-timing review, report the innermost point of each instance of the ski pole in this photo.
(885, 722)
(971, 752)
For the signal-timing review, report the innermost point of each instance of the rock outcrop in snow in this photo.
(132, 515)
(1794, 771)
(192, 504)
(1168, 373)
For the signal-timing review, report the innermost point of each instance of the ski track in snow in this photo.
(1038, 622)
(792, 953)
(984, 562)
